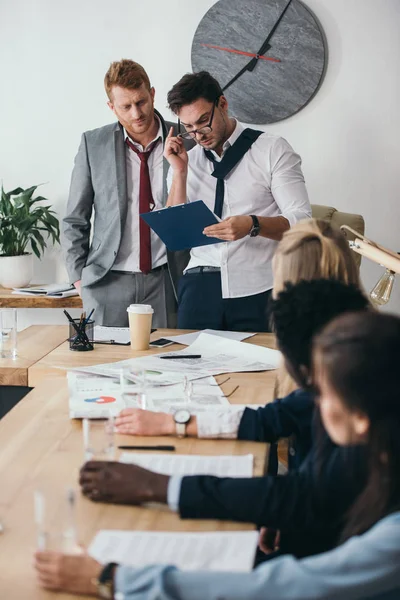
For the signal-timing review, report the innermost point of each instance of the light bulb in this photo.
(380, 294)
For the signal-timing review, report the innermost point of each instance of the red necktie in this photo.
(146, 204)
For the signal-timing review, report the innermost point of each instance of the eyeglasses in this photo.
(188, 135)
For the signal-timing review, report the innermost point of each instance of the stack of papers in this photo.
(189, 338)
(222, 551)
(54, 290)
(220, 466)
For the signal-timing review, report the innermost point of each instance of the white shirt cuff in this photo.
(219, 423)
(174, 492)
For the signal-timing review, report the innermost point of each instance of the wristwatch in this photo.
(181, 418)
(255, 230)
(105, 582)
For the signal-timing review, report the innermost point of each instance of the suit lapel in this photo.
(120, 168)
(165, 162)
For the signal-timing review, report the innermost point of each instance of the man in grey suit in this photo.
(114, 259)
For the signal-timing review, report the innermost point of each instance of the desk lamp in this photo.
(380, 293)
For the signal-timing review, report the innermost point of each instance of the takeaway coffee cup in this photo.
(140, 317)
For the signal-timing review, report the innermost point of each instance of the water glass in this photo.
(8, 332)
(135, 394)
(56, 528)
(98, 439)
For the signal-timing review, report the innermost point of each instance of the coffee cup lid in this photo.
(140, 309)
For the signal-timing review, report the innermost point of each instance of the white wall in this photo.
(54, 54)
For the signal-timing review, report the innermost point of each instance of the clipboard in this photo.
(181, 227)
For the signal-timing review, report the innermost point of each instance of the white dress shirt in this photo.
(129, 251)
(267, 182)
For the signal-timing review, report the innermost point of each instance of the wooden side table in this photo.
(10, 300)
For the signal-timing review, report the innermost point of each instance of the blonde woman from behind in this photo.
(311, 249)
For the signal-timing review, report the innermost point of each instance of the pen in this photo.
(163, 448)
(174, 356)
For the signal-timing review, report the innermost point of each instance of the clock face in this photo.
(285, 76)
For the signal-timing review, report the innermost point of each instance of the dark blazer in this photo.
(308, 505)
(98, 185)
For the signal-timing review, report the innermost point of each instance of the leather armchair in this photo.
(338, 218)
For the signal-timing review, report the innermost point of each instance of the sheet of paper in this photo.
(218, 355)
(215, 551)
(154, 376)
(118, 335)
(94, 396)
(189, 338)
(221, 466)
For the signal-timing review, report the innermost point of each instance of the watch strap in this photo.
(105, 581)
(255, 230)
(180, 429)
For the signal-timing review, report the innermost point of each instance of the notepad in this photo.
(53, 290)
(181, 227)
(220, 466)
(215, 551)
(111, 335)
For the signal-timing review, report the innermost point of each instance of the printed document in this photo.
(220, 466)
(215, 551)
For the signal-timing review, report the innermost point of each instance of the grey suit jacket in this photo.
(366, 566)
(98, 185)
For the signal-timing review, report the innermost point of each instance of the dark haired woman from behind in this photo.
(356, 367)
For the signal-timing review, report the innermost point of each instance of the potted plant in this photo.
(24, 222)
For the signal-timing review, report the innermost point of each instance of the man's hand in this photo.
(269, 540)
(135, 421)
(175, 153)
(77, 285)
(230, 229)
(74, 574)
(120, 483)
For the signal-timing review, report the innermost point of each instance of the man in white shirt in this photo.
(254, 182)
(115, 259)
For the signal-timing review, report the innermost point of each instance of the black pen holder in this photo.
(81, 335)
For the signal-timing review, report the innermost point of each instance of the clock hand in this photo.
(241, 52)
(266, 45)
(264, 48)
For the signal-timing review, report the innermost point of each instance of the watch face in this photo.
(275, 49)
(182, 416)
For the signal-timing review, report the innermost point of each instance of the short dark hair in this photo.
(300, 311)
(191, 87)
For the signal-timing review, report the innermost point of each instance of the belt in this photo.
(160, 268)
(195, 270)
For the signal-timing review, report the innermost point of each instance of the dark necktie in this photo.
(146, 204)
(230, 159)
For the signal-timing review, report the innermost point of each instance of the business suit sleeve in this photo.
(76, 224)
(314, 497)
(282, 418)
(363, 567)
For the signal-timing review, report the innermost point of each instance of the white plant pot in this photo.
(16, 271)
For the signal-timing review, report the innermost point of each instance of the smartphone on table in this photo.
(161, 343)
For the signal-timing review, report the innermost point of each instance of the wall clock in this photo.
(269, 55)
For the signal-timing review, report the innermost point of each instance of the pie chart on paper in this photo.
(101, 399)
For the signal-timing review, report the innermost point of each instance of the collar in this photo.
(159, 136)
(231, 140)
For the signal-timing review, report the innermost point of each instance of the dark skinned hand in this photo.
(119, 483)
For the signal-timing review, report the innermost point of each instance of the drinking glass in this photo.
(8, 332)
(98, 439)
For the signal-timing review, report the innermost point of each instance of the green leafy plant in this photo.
(24, 221)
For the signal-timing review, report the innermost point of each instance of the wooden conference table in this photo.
(41, 448)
